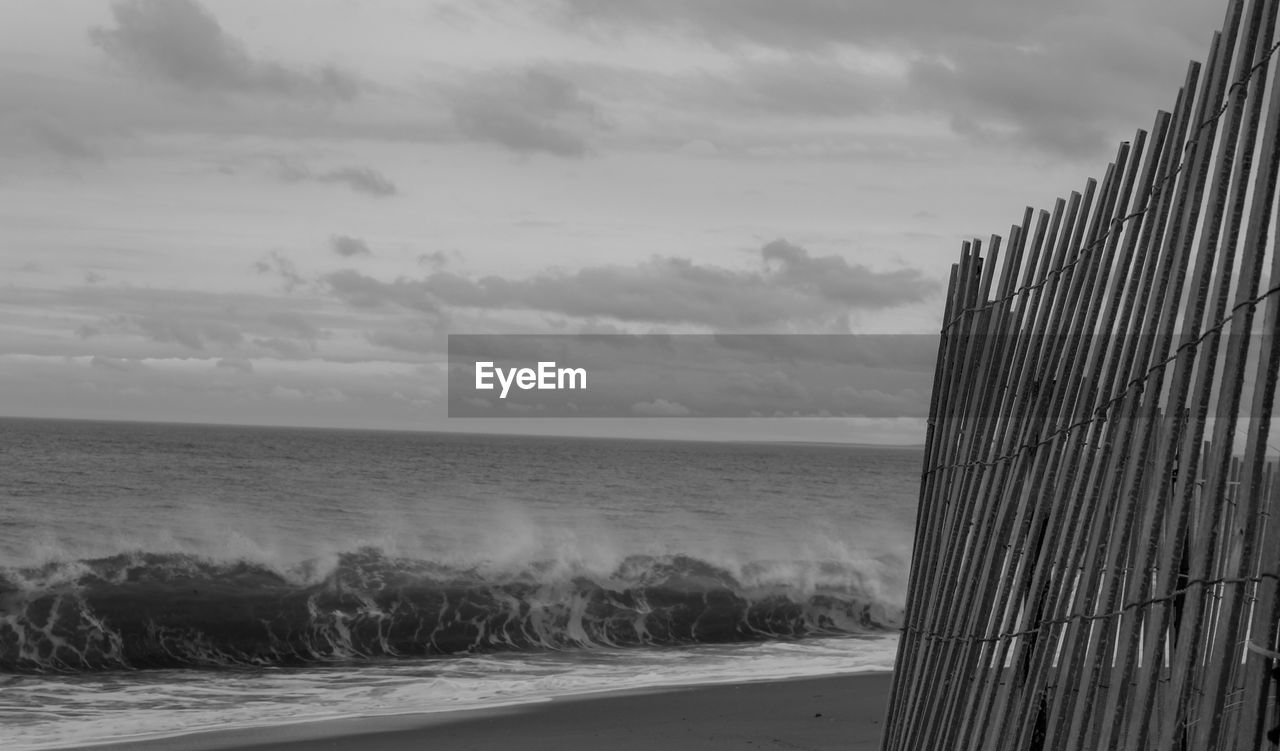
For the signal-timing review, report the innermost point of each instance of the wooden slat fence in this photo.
(1097, 552)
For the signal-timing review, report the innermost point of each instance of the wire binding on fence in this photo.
(1155, 192)
(1086, 576)
(944, 636)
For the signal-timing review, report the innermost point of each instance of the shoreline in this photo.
(844, 711)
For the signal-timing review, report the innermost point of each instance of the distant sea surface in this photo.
(165, 579)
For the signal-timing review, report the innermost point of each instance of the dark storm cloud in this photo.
(347, 246)
(528, 111)
(181, 42)
(360, 179)
(791, 286)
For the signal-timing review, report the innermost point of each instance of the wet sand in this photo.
(837, 712)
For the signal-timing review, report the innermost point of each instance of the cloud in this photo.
(148, 322)
(791, 287)
(366, 292)
(360, 179)
(235, 363)
(287, 393)
(280, 334)
(833, 278)
(435, 259)
(797, 87)
(347, 246)
(289, 335)
(93, 112)
(28, 128)
(117, 364)
(330, 395)
(295, 325)
(276, 262)
(1030, 96)
(528, 111)
(63, 141)
(288, 349)
(423, 343)
(1063, 80)
(191, 334)
(659, 408)
(180, 42)
(818, 24)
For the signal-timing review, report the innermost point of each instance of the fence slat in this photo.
(1095, 563)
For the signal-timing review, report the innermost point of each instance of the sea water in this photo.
(160, 579)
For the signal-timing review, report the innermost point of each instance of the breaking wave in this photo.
(166, 610)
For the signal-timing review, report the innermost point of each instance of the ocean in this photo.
(160, 579)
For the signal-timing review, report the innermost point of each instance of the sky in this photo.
(275, 212)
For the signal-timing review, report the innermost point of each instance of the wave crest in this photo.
(153, 610)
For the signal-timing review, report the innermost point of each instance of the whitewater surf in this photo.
(167, 610)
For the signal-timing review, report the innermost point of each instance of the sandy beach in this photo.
(837, 712)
